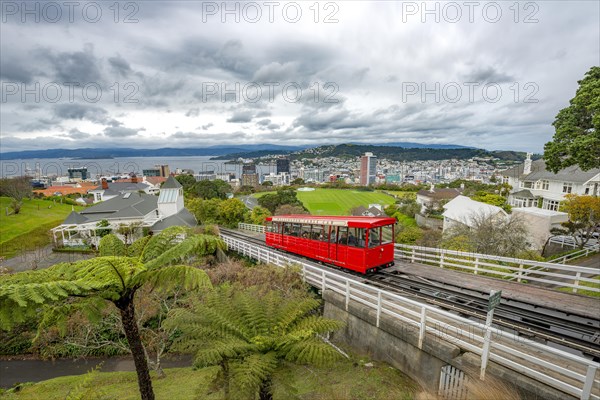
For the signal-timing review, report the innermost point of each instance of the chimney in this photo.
(104, 184)
(527, 164)
(134, 178)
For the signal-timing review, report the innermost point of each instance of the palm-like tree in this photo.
(247, 335)
(115, 276)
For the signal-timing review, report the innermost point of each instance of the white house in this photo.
(463, 210)
(129, 208)
(532, 183)
(539, 222)
(108, 190)
(434, 197)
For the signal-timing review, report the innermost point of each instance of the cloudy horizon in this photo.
(148, 74)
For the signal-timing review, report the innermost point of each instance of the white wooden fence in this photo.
(514, 269)
(566, 372)
(251, 227)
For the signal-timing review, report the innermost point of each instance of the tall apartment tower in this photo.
(283, 165)
(368, 169)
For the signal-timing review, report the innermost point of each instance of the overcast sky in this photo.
(150, 74)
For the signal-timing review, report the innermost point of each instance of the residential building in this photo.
(435, 197)
(249, 179)
(158, 170)
(535, 186)
(368, 169)
(108, 190)
(374, 210)
(143, 210)
(279, 179)
(539, 222)
(463, 210)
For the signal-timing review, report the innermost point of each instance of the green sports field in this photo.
(339, 201)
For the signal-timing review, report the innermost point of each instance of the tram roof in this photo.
(352, 221)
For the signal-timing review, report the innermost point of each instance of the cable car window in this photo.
(387, 234)
(269, 226)
(287, 229)
(343, 236)
(374, 237)
(316, 232)
(356, 237)
(296, 229)
(305, 232)
(333, 236)
(322, 232)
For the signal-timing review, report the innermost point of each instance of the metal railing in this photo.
(251, 227)
(566, 372)
(577, 254)
(514, 269)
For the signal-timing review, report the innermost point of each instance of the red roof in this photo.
(352, 221)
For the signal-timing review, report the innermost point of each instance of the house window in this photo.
(528, 184)
(550, 205)
(98, 196)
(542, 185)
(567, 187)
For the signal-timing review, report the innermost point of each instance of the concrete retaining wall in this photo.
(397, 344)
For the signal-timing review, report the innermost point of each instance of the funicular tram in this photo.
(361, 244)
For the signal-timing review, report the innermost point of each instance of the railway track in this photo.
(575, 332)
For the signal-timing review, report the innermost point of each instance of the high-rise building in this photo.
(283, 165)
(158, 170)
(368, 169)
(250, 180)
(78, 173)
(248, 169)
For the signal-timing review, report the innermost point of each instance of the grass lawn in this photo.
(595, 285)
(29, 229)
(400, 193)
(344, 380)
(340, 201)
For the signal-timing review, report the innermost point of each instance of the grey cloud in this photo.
(241, 116)
(193, 112)
(80, 66)
(79, 111)
(120, 65)
(77, 134)
(264, 122)
(489, 74)
(12, 71)
(120, 131)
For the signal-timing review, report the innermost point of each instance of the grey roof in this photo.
(523, 194)
(376, 212)
(182, 218)
(439, 193)
(171, 183)
(123, 206)
(357, 211)
(538, 171)
(75, 219)
(118, 187)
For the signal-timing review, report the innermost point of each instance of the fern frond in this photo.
(137, 247)
(312, 351)
(111, 245)
(249, 373)
(169, 277)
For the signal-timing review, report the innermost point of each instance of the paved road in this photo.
(40, 258)
(250, 201)
(592, 262)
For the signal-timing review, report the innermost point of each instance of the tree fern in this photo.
(113, 277)
(248, 334)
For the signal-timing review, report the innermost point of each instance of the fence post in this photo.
(520, 273)
(422, 327)
(476, 264)
(323, 283)
(412, 257)
(589, 382)
(577, 277)
(378, 306)
(442, 259)
(347, 293)
(485, 352)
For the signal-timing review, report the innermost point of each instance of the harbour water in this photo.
(119, 166)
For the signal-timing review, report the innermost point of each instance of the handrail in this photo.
(427, 319)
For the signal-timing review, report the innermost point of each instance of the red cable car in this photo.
(361, 244)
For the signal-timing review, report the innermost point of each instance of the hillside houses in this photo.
(533, 184)
(139, 209)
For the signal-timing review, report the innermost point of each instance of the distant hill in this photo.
(412, 145)
(395, 153)
(129, 152)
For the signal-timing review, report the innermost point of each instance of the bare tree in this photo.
(17, 189)
(488, 234)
